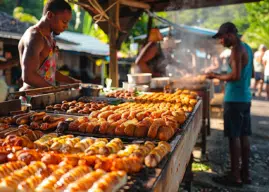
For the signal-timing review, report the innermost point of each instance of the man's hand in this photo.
(76, 80)
(63, 79)
(207, 70)
(211, 75)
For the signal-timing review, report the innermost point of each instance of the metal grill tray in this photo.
(109, 100)
(129, 138)
(147, 179)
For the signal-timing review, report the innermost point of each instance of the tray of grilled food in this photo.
(132, 121)
(69, 163)
(156, 117)
(29, 124)
(87, 163)
(145, 119)
(35, 124)
(83, 106)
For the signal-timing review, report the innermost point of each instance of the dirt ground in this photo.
(216, 161)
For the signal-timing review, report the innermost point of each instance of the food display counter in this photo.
(142, 143)
(203, 88)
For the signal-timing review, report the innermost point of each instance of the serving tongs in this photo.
(43, 90)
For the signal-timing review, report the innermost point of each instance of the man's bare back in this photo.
(33, 50)
(29, 34)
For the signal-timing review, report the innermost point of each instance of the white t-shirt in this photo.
(266, 59)
(258, 66)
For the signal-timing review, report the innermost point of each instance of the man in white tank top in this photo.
(259, 69)
(265, 60)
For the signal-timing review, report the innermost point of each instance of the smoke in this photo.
(196, 47)
(191, 52)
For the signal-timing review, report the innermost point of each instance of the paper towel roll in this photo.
(3, 89)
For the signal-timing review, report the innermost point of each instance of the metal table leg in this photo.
(188, 177)
(204, 135)
(208, 113)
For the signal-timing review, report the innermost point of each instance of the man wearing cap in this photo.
(237, 102)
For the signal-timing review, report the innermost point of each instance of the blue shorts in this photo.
(237, 119)
(258, 76)
(266, 79)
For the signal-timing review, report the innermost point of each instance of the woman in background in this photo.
(5, 63)
(150, 59)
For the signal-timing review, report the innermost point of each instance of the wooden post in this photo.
(136, 4)
(149, 26)
(113, 36)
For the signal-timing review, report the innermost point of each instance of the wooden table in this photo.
(170, 176)
(170, 172)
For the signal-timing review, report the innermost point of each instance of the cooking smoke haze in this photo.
(188, 53)
(195, 45)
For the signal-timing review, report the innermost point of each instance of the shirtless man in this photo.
(38, 50)
(237, 102)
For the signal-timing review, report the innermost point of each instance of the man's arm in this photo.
(65, 79)
(216, 63)
(236, 65)
(33, 45)
(264, 58)
(8, 64)
(146, 54)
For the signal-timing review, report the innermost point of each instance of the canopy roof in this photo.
(129, 15)
(77, 42)
(198, 31)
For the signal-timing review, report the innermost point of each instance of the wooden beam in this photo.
(149, 26)
(128, 28)
(113, 35)
(135, 4)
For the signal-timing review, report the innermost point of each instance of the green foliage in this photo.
(140, 27)
(31, 7)
(258, 19)
(196, 167)
(125, 49)
(87, 23)
(157, 22)
(7, 6)
(251, 19)
(89, 28)
(19, 14)
(211, 17)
